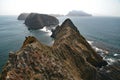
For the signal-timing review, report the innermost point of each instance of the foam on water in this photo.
(45, 29)
(90, 42)
(103, 53)
(116, 54)
(110, 60)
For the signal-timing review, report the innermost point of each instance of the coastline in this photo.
(108, 55)
(69, 47)
(22, 32)
(99, 47)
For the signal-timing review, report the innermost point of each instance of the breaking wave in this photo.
(48, 31)
(104, 54)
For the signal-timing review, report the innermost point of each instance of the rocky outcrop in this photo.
(38, 21)
(62, 33)
(23, 16)
(69, 58)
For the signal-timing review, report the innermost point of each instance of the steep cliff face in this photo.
(67, 34)
(34, 61)
(38, 21)
(23, 16)
(69, 58)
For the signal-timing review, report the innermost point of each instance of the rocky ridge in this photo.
(69, 58)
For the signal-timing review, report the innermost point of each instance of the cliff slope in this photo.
(70, 58)
(38, 21)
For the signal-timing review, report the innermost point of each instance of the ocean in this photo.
(101, 32)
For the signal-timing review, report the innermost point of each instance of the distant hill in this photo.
(78, 13)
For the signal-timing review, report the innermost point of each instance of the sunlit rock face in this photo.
(38, 21)
(69, 58)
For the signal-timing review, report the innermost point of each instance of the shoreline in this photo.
(110, 56)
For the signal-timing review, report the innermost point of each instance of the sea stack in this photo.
(69, 58)
(38, 21)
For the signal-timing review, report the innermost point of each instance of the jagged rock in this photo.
(66, 23)
(69, 58)
(38, 21)
(74, 37)
(23, 16)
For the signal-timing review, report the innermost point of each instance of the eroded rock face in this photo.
(70, 58)
(38, 21)
(35, 61)
(73, 39)
(23, 16)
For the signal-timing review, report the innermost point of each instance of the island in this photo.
(38, 21)
(78, 13)
(23, 16)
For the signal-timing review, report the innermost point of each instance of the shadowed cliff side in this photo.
(38, 21)
(23, 16)
(70, 58)
(68, 35)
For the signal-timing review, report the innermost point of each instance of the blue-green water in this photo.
(103, 31)
(12, 35)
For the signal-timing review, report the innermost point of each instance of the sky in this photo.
(94, 7)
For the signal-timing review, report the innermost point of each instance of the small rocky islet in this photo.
(36, 21)
(69, 58)
(23, 16)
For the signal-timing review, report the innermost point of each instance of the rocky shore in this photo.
(69, 58)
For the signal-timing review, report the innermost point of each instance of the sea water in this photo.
(101, 32)
(13, 33)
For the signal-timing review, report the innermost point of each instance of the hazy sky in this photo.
(95, 7)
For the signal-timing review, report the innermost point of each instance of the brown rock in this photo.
(70, 58)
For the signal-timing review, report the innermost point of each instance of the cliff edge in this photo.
(69, 58)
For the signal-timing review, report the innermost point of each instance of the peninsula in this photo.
(69, 58)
